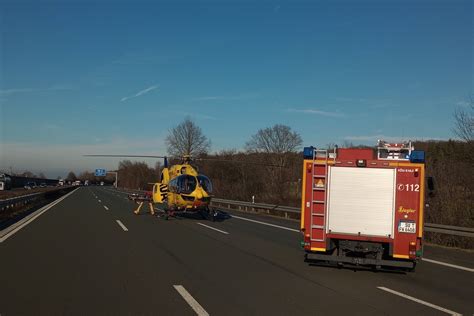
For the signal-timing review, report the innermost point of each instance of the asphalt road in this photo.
(89, 254)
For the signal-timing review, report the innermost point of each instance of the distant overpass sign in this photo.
(100, 172)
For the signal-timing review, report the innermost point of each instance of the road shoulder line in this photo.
(411, 298)
(264, 223)
(448, 264)
(297, 231)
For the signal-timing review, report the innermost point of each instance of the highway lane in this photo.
(434, 285)
(430, 282)
(76, 259)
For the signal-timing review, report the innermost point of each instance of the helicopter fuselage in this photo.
(182, 188)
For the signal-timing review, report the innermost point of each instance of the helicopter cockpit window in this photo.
(173, 185)
(205, 183)
(186, 184)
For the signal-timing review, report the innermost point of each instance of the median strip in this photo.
(198, 309)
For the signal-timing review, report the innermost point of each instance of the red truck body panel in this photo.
(408, 203)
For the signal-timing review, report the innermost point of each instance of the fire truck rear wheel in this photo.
(412, 269)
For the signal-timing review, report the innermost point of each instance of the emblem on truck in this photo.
(401, 209)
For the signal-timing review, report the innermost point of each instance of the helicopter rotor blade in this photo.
(127, 156)
(192, 159)
(242, 162)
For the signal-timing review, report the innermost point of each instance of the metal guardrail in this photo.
(290, 212)
(18, 201)
(294, 213)
(22, 200)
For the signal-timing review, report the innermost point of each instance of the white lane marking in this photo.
(106, 207)
(100, 201)
(267, 224)
(218, 230)
(297, 231)
(122, 225)
(448, 265)
(10, 231)
(411, 298)
(191, 301)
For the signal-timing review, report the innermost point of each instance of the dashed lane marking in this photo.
(191, 301)
(106, 207)
(122, 225)
(217, 230)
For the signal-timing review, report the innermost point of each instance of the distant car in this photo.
(30, 185)
(43, 185)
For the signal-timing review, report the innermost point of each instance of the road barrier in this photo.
(23, 200)
(294, 213)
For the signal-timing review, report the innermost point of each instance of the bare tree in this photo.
(71, 176)
(28, 174)
(136, 175)
(464, 122)
(187, 139)
(278, 143)
(278, 139)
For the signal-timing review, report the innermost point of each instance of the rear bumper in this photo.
(310, 256)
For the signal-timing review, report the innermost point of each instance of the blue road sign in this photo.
(100, 172)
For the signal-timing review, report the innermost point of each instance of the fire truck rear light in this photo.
(307, 241)
(412, 250)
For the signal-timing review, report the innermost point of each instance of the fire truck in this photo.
(364, 206)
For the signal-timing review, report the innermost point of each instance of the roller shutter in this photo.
(361, 200)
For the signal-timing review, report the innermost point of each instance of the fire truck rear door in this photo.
(361, 201)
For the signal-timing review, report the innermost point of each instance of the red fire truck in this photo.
(363, 206)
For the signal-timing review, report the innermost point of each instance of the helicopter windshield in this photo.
(186, 184)
(205, 183)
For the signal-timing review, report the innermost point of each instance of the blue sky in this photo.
(114, 76)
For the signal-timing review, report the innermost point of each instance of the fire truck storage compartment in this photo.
(361, 201)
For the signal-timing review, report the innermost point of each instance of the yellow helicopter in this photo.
(181, 188)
